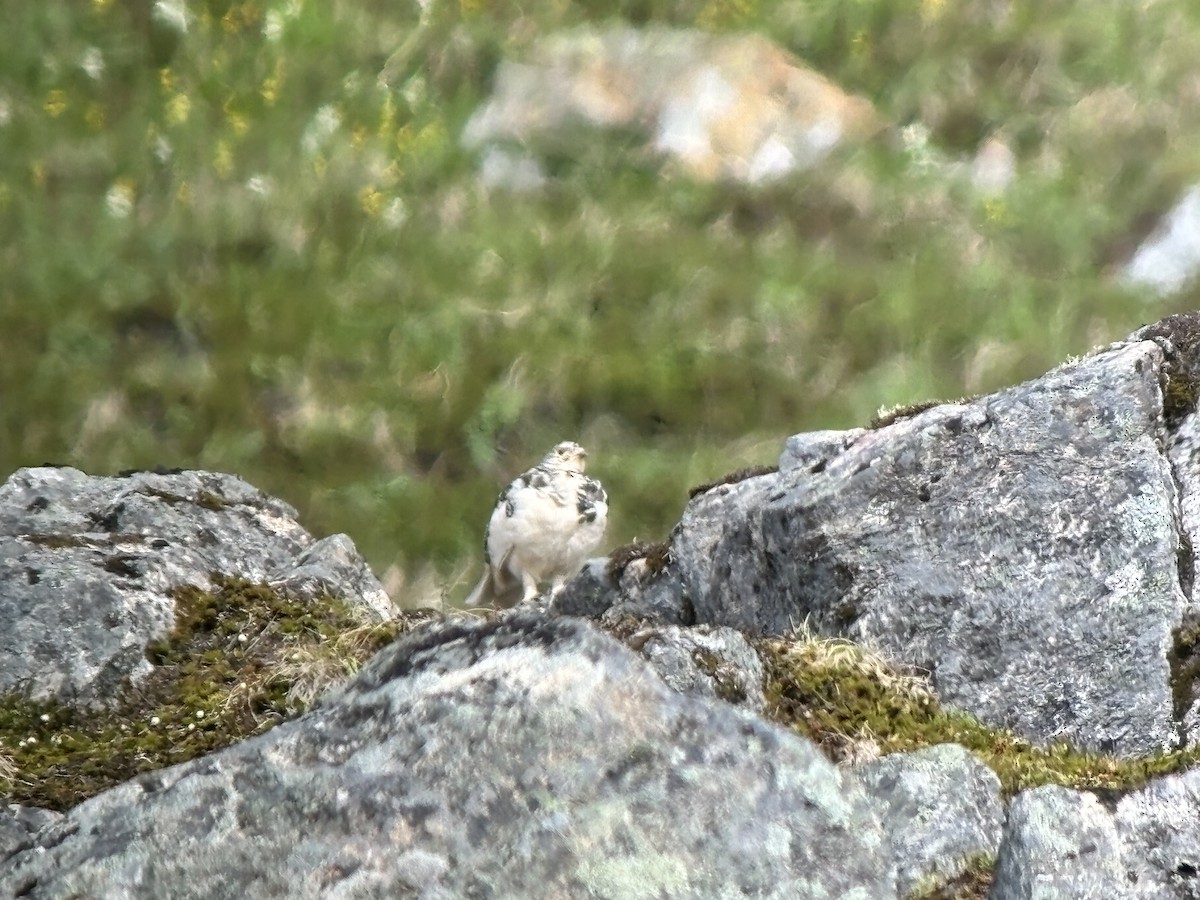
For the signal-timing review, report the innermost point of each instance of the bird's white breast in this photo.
(541, 530)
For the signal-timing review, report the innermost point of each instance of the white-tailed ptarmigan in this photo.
(543, 527)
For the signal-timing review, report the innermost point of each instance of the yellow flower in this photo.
(997, 211)
(56, 103)
(183, 195)
(239, 123)
(404, 138)
(94, 115)
(371, 201)
(358, 137)
(431, 135)
(860, 44)
(272, 83)
(178, 109)
(387, 117)
(931, 10)
(166, 80)
(223, 158)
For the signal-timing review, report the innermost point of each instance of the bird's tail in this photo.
(484, 593)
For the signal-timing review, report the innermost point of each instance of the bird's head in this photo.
(568, 456)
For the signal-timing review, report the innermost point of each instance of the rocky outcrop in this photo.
(722, 106)
(88, 566)
(1030, 549)
(1027, 553)
(528, 757)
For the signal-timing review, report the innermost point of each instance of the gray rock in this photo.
(1064, 843)
(640, 591)
(941, 808)
(717, 663)
(1022, 547)
(19, 825)
(333, 566)
(716, 525)
(1160, 827)
(813, 450)
(525, 757)
(87, 566)
(589, 593)
(1060, 844)
(647, 592)
(1179, 338)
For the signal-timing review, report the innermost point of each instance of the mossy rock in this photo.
(852, 704)
(1181, 367)
(241, 659)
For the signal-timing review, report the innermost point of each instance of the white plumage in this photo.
(543, 527)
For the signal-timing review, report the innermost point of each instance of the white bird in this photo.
(543, 527)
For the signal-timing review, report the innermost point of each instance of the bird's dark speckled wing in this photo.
(590, 495)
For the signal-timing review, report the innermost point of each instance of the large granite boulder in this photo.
(89, 564)
(526, 757)
(1031, 548)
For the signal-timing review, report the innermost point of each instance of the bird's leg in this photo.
(530, 585)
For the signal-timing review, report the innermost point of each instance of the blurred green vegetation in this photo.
(245, 237)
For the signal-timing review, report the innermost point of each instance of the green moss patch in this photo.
(732, 478)
(1180, 373)
(241, 659)
(852, 705)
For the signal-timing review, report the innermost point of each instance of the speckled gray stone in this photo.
(704, 661)
(941, 808)
(19, 825)
(1022, 547)
(1064, 843)
(88, 563)
(1060, 844)
(528, 757)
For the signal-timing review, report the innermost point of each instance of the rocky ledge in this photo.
(949, 654)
